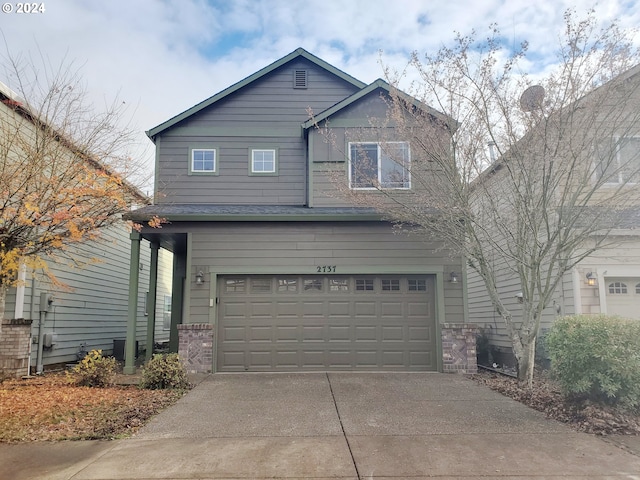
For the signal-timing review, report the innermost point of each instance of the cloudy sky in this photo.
(164, 56)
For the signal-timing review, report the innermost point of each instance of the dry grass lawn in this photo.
(49, 408)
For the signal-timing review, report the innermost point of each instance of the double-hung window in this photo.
(204, 160)
(375, 165)
(263, 161)
(618, 160)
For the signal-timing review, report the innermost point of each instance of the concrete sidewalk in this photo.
(337, 425)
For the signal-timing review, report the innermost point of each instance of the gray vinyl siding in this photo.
(483, 313)
(267, 113)
(91, 307)
(278, 248)
(329, 152)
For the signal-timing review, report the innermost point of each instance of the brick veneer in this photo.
(14, 346)
(459, 348)
(195, 347)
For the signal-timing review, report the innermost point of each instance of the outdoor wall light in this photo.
(520, 297)
(199, 278)
(453, 277)
(591, 279)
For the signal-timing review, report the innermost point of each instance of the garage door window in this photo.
(364, 285)
(338, 285)
(260, 285)
(417, 285)
(390, 285)
(287, 285)
(312, 284)
(638, 288)
(234, 285)
(616, 288)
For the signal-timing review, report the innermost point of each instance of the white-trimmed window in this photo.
(617, 288)
(618, 160)
(263, 161)
(204, 160)
(375, 165)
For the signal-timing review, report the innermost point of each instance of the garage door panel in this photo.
(390, 309)
(366, 333)
(287, 310)
(365, 309)
(286, 334)
(234, 334)
(313, 333)
(326, 322)
(313, 309)
(392, 334)
(339, 333)
(260, 334)
(339, 309)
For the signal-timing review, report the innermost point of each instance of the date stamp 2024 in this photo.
(23, 8)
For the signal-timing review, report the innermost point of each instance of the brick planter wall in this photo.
(459, 348)
(195, 347)
(14, 346)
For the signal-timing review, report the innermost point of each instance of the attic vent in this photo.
(299, 79)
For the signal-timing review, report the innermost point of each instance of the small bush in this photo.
(94, 370)
(164, 371)
(597, 358)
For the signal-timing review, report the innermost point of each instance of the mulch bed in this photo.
(546, 397)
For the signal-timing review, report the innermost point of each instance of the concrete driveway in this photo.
(350, 426)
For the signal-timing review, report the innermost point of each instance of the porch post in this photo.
(132, 316)
(151, 305)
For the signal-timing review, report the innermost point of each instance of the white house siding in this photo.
(90, 309)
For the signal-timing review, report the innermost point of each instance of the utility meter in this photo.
(46, 302)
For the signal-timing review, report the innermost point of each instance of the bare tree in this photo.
(60, 166)
(524, 185)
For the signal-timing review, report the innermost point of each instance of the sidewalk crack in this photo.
(353, 460)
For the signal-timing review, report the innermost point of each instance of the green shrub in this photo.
(597, 358)
(94, 370)
(164, 371)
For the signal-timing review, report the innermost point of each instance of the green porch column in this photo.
(151, 305)
(132, 316)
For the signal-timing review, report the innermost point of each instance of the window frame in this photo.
(253, 171)
(379, 166)
(598, 171)
(193, 150)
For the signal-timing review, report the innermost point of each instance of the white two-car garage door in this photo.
(295, 323)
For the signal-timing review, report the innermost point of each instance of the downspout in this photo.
(20, 289)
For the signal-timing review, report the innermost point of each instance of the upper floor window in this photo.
(263, 161)
(379, 165)
(203, 160)
(619, 160)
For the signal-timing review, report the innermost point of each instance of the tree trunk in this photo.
(525, 356)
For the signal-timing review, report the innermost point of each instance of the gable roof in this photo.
(298, 53)
(363, 92)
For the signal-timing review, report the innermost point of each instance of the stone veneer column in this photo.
(459, 348)
(195, 347)
(14, 347)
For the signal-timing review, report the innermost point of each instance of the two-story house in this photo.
(604, 127)
(272, 261)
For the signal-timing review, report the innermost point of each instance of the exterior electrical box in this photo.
(49, 339)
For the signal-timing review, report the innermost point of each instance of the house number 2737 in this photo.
(326, 269)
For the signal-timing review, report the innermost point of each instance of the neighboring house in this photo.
(90, 298)
(606, 282)
(273, 266)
